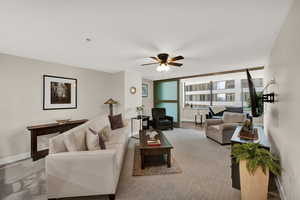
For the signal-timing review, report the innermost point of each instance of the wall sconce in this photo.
(132, 90)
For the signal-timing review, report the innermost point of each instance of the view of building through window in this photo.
(227, 89)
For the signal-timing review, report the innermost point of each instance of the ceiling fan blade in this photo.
(177, 58)
(175, 64)
(149, 64)
(154, 58)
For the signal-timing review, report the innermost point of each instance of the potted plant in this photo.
(139, 110)
(247, 126)
(255, 163)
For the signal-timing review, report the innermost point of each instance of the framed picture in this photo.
(144, 90)
(59, 93)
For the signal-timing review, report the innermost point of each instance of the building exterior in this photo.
(228, 90)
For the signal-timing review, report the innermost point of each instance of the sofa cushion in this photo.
(230, 117)
(70, 142)
(99, 123)
(76, 140)
(116, 121)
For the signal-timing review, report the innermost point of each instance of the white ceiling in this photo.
(213, 35)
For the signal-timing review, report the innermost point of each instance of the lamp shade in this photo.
(110, 101)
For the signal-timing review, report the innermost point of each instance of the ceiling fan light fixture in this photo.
(163, 68)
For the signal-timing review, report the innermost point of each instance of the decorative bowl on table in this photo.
(62, 121)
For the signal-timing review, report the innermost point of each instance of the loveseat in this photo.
(221, 130)
(86, 173)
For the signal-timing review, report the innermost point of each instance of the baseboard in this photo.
(280, 189)
(15, 158)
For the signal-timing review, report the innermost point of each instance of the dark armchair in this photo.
(160, 120)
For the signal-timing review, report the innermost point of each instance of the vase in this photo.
(253, 186)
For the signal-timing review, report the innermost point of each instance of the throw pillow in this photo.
(76, 140)
(100, 139)
(105, 133)
(115, 121)
(70, 142)
(125, 122)
(92, 141)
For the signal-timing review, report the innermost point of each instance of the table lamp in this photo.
(110, 102)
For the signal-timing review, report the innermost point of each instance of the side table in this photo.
(141, 119)
(197, 116)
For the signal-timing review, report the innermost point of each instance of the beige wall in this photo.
(148, 101)
(282, 118)
(132, 79)
(21, 98)
(116, 87)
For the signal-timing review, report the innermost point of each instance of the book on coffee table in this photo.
(153, 142)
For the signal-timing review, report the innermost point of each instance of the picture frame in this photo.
(144, 90)
(59, 92)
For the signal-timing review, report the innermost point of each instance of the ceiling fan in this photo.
(165, 61)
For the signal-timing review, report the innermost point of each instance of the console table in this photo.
(46, 129)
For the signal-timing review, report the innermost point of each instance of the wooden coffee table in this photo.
(164, 149)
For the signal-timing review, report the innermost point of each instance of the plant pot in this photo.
(253, 186)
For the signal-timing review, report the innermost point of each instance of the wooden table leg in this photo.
(169, 159)
(142, 160)
(34, 147)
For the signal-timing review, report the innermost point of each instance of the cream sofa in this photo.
(86, 173)
(221, 130)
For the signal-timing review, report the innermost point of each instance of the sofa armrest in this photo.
(229, 126)
(79, 173)
(169, 118)
(213, 121)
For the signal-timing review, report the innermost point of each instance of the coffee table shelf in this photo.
(164, 149)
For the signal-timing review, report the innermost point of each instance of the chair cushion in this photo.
(230, 117)
(116, 121)
(164, 122)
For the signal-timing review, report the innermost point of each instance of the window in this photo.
(226, 90)
(230, 84)
(197, 87)
(219, 85)
(230, 97)
(219, 97)
(258, 82)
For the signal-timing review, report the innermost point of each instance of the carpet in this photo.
(205, 174)
(153, 170)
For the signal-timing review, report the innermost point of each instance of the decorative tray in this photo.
(249, 135)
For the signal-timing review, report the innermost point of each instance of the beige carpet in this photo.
(152, 170)
(205, 174)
